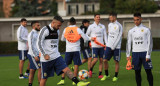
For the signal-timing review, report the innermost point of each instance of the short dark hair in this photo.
(58, 18)
(72, 21)
(23, 19)
(96, 14)
(137, 15)
(113, 14)
(33, 22)
(85, 21)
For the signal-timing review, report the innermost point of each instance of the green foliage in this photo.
(1, 10)
(30, 8)
(128, 6)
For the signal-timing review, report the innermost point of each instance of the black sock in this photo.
(138, 77)
(116, 74)
(21, 75)
(63, 78)
(91, 69)
(106, 72)
(27, 71)
(30, 84)
(149, 76)
(100, 73)
(75, 80)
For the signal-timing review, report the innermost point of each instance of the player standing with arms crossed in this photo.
(97, 30)
(22, 34)
(113, 46)
(33, 53)
(140, 38)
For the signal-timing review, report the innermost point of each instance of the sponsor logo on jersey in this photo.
(142, 30)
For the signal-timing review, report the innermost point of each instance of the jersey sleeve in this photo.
(63, 38)
(128, 45)
(33, 46)
(84, 36)
(150, 44)
(89, 32)
(43, 33)
(118, 38)
(105, 35)
(20, 35)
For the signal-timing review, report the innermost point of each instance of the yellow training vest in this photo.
(71, 34)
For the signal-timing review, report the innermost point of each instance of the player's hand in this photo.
(46, 57)
(128, 58)
(93, 38)
(36, 58)
(147, 59)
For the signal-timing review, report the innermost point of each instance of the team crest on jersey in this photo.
(142, 30)
(100, 26)
(45, 74)
(115, 27)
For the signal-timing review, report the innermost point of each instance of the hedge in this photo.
(11, 47)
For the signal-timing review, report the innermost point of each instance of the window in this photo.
(89, 8)
(73, 9)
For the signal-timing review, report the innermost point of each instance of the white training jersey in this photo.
(141, 40)
(98, 31)
(114, 35)
(47, 43)
(71, 47)
(32, 40)
(22, 34)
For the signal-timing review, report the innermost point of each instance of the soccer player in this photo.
(113, 46)
(97, 30)
(139, 37)
(33, 53)
(72, 35)
(51, 60)
(85, 49)
(22, 34)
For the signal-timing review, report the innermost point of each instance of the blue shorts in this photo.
(97, 52)
(75, 56)
(23, 54)
(86, 53)
(139, 58)
(33, 63)
(48, 68)
(115, 53)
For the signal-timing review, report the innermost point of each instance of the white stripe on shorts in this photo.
(23, 55)
(34, 61)
(86, 51)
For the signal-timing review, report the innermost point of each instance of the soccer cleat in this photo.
(23, 77)
(100, 76)
(114, 79)
(26, 74)
(73, 83)
(83, 83)
(61, 82)
(90, 73)
(105, 77)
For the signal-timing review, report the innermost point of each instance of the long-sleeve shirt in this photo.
(22, 34)
(71, 47)
(98, 31)
(47, 45)
(114, 35)
(32, 40)
(141, 40)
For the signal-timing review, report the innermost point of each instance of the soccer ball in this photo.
(83, 75)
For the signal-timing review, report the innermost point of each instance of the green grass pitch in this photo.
(9, 73)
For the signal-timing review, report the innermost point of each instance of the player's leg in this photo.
(28, 67)
(101, 54)
(108, 55)
(147, 66)
(84, 56)
(43, 82)
(31, 76)
(136, 62)
(63, 68)
(39, 75)
(21, 63)
(117, 56)
(89, 62)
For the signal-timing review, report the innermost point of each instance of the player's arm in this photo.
(84, 36)
(89, 32)
(149, 46)
(128, 45)
(105, 36)
(63, 38)
(21, 35)
(43, 33)
(34, 47)
(118, 38)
